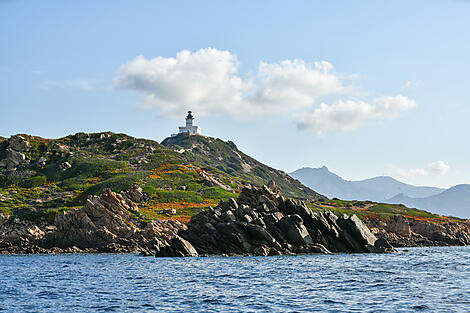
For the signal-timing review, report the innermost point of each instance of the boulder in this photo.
(178, 247)
(292, 226)
(12, 159)
(399, 225)
(19, 143)
(134, 194)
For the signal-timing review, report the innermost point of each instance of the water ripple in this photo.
(423, 279)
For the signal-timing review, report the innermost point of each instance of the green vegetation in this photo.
(219, 156)
(185, 173)
(34, 181)
(373, 210)
(59, 174)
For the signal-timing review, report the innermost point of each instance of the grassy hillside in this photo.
(225, 156)
(186, 173)
(58, 174)
(377, 211)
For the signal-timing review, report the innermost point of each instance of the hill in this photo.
(100, 175)
(374, 189)
(225, 157)
(44, 177)
(454, 201)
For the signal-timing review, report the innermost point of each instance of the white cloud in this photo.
(294, 85)
(434, 168)
(349, 115)
(208, 82)
(438, 167)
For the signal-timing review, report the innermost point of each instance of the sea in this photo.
(413, 280)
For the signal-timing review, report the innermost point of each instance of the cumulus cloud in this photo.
(293, 85)
(208, 81)
(434, 168)
(348, 115)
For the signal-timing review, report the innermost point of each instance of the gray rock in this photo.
(233, 204)
(65, 166)
(247, 218)
(358, 230)
(178, 247)
(276, 226)
(19, 143)
(12, 159)
(229, 217)
(295, 231)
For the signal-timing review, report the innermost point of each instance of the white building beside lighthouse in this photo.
(190, 128)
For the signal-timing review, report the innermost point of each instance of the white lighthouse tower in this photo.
(190, 128)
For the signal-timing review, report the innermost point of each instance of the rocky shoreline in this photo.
(263, 222)
(260, 222)
(103, 225)
(403, 231)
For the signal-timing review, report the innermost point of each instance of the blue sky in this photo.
(393, 82)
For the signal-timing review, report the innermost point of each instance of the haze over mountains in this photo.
(453, 201)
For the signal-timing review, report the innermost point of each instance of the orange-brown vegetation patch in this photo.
(181, 219)
(182, 205)
(168, 168)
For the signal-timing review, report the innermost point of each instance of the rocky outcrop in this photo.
(263, 222)
(403, 231)
(17, 145)
(104, 224)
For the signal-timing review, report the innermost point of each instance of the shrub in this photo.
(34, 181)
(91, 167)
(74, 183)
(176, 196)
(217, 193)
(117, 183)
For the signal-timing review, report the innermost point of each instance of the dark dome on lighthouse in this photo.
(190, 115)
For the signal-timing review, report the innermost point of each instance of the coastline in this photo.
(104, 225)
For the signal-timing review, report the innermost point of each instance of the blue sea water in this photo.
(423, 279)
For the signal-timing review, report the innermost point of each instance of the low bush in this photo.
(34, 181)
(117, 183)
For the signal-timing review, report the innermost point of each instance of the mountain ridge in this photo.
(377, 188)
(453, 201)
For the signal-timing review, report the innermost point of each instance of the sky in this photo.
(366, 88)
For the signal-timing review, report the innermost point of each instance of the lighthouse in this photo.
(190, 128)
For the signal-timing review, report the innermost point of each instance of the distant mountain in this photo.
(454, 201)
(377, 189)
